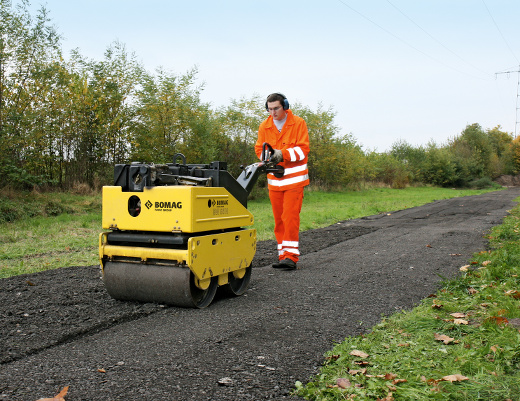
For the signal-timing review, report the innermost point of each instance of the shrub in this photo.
(482, 183)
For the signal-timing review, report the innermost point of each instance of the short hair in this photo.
(273, 97)
(277, 96)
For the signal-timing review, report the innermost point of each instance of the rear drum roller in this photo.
(161, 284)
(237, 286)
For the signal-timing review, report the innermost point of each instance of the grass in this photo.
(51, 230)
(463, 343)
(48, 231)
(321, 209)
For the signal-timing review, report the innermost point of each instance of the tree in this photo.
(27, 48)
(237, 127)
(167, 111)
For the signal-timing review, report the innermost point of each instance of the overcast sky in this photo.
(412, 70)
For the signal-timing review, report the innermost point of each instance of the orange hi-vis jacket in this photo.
(293, 141)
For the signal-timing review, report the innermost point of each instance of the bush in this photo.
(9, 211)
(53, 208)
(482, 183)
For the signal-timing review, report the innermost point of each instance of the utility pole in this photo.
(517, 93)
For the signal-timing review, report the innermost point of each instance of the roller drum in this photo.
(169, 285)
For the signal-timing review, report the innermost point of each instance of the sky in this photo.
(417, 71)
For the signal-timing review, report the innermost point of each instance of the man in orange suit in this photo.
(289, 137)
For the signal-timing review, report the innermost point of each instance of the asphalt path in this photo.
(60, 328)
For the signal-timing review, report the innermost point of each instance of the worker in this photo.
(289, 137)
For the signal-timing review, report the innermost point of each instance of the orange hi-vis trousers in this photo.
(286, 211)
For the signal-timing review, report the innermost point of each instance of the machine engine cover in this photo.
(176, 208)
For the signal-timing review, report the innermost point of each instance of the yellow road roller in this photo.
(176, 231)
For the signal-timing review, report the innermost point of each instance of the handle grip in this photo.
(267, 152)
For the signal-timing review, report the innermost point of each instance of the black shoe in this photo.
(285, 264)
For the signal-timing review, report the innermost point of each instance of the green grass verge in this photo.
(463, 343)
(47, 231)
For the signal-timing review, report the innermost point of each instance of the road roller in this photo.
(177, 232)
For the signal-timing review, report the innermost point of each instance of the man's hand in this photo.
(276, 157)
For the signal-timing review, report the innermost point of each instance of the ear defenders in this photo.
(285, 102)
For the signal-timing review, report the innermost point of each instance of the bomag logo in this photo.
(217, 203)
(167, 205)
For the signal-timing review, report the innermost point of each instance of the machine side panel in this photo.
(213, 255)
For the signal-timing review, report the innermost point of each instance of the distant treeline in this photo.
(65, 122)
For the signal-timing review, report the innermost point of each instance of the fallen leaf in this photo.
(100, 370)
(389, 397)
(59, 397)
(460, 321)
(361, 354)
(458, 315)
(444, 338)
(455, 378)
(472, 291)
(464, 268)
(498, 320)
(436, 304)
(332, 357)
(397, 381)
(343, 383)
(355, 372)
(390, 376)
(514, 293)
(485, 263)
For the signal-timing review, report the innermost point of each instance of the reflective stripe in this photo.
(288, 181)
(291, 250)
(293, 244)
(297, 169)
(300, 152)
(279, 246)
(293, 155)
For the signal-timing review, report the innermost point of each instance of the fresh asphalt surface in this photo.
(60, 328)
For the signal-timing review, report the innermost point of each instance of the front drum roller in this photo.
(171, 285)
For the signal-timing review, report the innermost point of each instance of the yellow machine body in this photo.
(178, 208)
(216, 251)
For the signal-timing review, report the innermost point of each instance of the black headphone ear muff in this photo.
(285, 103)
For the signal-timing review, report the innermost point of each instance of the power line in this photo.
(501, 34)
(405, 42)
(435, 39)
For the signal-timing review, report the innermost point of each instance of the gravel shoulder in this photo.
(60, 328)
